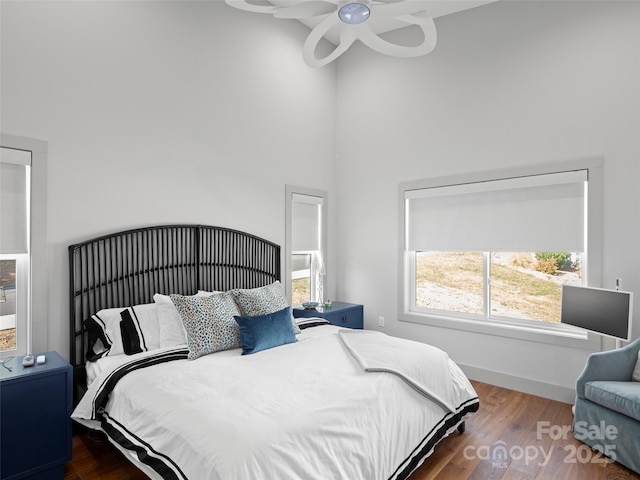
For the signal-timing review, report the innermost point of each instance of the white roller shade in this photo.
(14, 177)
(305, 232)
(525, 214)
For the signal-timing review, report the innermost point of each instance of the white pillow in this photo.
(636, 371)
(160, 298)
(172, 332)
(140, 328)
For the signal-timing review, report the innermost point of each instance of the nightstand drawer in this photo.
(351, 318)
(342, 314)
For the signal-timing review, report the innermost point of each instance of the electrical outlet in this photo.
(381, 321)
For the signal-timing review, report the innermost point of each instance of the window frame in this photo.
(37, 282)
(531, 330)
(290, 191)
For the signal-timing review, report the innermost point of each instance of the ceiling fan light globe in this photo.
(354, 13)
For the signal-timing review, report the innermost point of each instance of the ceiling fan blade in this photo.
(429, 33)
(347, 37)
(312, 8)
(419, 18)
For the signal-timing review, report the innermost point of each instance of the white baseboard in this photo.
(533, 387)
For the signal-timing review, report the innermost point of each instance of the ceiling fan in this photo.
(351, 20)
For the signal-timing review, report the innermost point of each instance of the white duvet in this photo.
(305, 410)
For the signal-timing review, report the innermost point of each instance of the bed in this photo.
(186, 356)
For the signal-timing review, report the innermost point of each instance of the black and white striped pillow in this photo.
(133, 335)
(117, 331)
(99, 340)
(139, 329)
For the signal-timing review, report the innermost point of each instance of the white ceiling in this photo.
(437, 8)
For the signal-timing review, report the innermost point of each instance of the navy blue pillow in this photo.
(265, 331)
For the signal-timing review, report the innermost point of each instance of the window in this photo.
(496, 248)
(306, 250)
(23, 245)
(15, 181)
(519, 285)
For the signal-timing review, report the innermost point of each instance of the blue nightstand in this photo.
(342, 314)
(35, 419)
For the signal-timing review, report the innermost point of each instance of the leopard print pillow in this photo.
(263, 300)
(208, 322)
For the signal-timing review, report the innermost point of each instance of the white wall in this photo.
(162, 112)
(509, 84)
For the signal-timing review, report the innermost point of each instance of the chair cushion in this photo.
(636, 371)
(622, 397)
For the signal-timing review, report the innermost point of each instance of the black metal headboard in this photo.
(127, 268)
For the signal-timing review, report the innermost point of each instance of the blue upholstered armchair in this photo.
(607, 409)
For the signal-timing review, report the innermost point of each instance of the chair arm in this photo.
(612, 365)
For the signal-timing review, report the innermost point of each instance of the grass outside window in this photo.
(454, 281)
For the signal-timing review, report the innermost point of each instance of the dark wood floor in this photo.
(506, 419)
(511, 419)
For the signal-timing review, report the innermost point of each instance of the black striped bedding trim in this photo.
(133, 340)
(102, 394)
(435, 435)
(159, 462)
